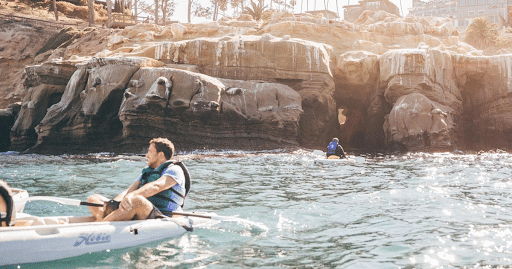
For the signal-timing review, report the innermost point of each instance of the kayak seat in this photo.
(29, 220)
(19, 223)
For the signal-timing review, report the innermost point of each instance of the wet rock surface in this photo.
(381, 83)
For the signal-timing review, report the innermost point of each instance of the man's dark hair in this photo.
(163, 145)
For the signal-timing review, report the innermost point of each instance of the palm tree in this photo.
(109, 13)
(90, 4)
(55, 9)
(482, 33)
(189, 10)
(156, 11)
(256, 10)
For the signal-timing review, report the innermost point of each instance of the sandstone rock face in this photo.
(198, 111)
(486, 84)
(402, 83)
(356, 75)
(7, 118)
(302, 65)
(45, 85)
(21, 42)
(86, 116)
(120, 104)
(431, 74)
(419, 123)
(18, 47)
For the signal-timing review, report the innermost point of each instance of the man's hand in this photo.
(126, 203)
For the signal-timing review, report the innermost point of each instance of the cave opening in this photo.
(108, 126)
(54, 99)
(352, 126)
(473, 137)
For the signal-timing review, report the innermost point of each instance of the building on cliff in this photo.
(352, 12)
(464, 11)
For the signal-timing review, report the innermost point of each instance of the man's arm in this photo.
(148, 190)
(341, 152)
(152, 188)
(133, 187)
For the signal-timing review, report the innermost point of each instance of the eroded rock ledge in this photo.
(262, 89)
(118, 104)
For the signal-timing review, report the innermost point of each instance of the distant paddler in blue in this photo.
(334, 150)
(160, 189)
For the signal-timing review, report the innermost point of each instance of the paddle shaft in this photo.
(75, 202)
(78, 202)
(174, 213)
(191, 215)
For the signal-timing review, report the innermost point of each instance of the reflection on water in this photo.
(414, 210)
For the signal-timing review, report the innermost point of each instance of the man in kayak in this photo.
(160, 190)
(334, 149)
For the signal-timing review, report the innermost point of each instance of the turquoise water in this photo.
(408, 211)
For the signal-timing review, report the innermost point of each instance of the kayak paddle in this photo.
(223, 218)
(75, 202)
(61, 200)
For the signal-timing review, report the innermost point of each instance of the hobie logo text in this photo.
(92, 238)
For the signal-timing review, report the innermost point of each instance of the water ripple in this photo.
(415, 210)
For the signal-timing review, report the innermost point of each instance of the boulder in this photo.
(431, 74)
(199, 111)
(419, 124)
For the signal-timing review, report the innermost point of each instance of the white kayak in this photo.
(325, 160)
(52, 238)
(38, 239)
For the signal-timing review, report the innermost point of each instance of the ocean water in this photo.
(405, 211)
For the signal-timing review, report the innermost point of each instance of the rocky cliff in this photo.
(380, 83)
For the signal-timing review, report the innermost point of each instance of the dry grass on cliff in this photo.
(67, 12)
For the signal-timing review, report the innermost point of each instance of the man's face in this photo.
(152, 156)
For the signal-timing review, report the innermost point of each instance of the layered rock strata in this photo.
(119, 104)
(302, 65)
(438, 94)
(485, 83)
(45, 85)
(421, 86)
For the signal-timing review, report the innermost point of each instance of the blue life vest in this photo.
(331, 149)
(171, 199)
